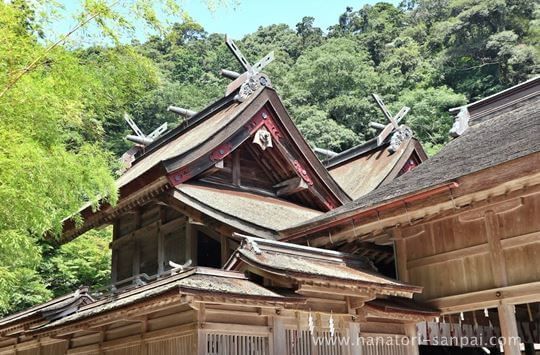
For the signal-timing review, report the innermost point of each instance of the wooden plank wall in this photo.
(145, 239)
(494, 245)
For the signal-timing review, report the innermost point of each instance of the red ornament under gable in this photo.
(263, 118)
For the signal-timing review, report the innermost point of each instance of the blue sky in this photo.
(240, 17)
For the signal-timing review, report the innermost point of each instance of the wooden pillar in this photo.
(201, 332)
(279, 344)
(400, 252)
(162, 263)
(410, 332)
(224, 249)
(114, 266)
(509, 331)
(114, 252)
(354, 336)
(191, 243)
(236, 168)
(201, 342)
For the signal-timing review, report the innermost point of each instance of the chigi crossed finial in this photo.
(252, 79)
(402, 132)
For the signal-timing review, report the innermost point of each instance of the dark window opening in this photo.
(255, 278)
(388, 269)
(208, 251)
(410, 164)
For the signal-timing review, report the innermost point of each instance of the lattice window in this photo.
(302, 343)
(230, 344)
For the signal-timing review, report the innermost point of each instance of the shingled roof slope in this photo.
(502, 138)
(268, 213)
(366, 170)
(187, 136)
(198, 280)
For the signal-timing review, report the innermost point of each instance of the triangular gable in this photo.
(364, 168)
(289, 157)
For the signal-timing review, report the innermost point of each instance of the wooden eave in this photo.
(467, 192)
(371, 311)
(322, 280)
(502, 99)
(309, 228)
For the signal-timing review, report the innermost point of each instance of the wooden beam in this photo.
(290, 186)
(524, 293)
(365, 294)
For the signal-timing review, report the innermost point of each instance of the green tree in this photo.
(84, 261)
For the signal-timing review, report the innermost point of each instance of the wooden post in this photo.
(114, 252)
(355, 347)
(201, 332)
(114, 266)
(224, 249)
(400, 252)
(191, 243)
(236, 168)
(161, 242)
(201, 342)
(279, 345)
(410, 332)
(509, 331)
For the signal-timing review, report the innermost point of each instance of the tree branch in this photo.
(36, 61)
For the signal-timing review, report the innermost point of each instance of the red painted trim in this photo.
(374, 210)
(221, 152)
(302, 172)
(179, 176)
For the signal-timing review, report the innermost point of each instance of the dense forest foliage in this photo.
(62, 125)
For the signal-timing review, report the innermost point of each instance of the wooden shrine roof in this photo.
(188, 137)
(362, 169)
(48, 309)
(195, 147)
(265, 215)
(192, 281)
(303, 263)
(503, 137)
(295, 261)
